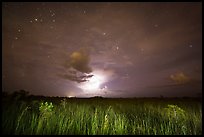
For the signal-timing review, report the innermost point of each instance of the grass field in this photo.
(99, 116)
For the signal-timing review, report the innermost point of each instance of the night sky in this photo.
(102, 49)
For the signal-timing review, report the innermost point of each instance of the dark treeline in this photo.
(25, 95)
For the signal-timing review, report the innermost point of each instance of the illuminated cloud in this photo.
(78, 67)
(79, 60)
(180, 78)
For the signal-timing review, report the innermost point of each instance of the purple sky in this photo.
(108, 49)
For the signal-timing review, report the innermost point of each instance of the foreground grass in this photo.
(103, 117)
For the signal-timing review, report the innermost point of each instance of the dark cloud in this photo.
(85, 76)
(78, 67)
(74, 77)
(79, 60)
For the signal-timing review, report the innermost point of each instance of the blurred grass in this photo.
(103, 117)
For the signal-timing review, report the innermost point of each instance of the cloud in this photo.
(79, 60)
(180, 78)
(77, 68)
(74, 77)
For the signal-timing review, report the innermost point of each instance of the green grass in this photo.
(103, 117)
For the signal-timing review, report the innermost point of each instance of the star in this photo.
(36, 19)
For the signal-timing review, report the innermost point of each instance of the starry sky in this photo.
(102, 49)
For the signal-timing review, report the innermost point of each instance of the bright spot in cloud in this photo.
(93, 83)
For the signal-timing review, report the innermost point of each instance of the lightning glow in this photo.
(93, 83)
